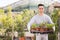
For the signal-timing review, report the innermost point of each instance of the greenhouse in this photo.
(17, 16)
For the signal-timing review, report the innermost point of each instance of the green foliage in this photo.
(54, 17)
(21, 34)
(52, 36)
(42, 24)
(1, 11)
(50, 25)
(15, 22)
(34, 25)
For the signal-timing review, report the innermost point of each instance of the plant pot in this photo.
(37, 29)
(45, 29)
(33, 28)
(22, 38)
(41, 30)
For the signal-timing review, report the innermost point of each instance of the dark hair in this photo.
(40, 5)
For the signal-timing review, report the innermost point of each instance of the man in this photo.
(38, 19)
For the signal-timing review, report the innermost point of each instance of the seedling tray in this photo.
(48, 31)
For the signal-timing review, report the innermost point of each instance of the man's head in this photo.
(41, 8)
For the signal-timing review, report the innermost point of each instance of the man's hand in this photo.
(54, 28)
(29, 30)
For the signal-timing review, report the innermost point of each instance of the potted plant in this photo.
(34, 27)
(21, 36)
(21, 33)
(42, 27)
(50, 26)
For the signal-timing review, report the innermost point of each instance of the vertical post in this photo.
(58, 35)
(12, 31)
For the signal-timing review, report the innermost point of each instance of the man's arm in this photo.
(30, 23)
(50, 22)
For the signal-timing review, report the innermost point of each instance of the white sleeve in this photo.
(50, 21)
(30, 23)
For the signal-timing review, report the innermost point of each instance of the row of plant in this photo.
(10, 22)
